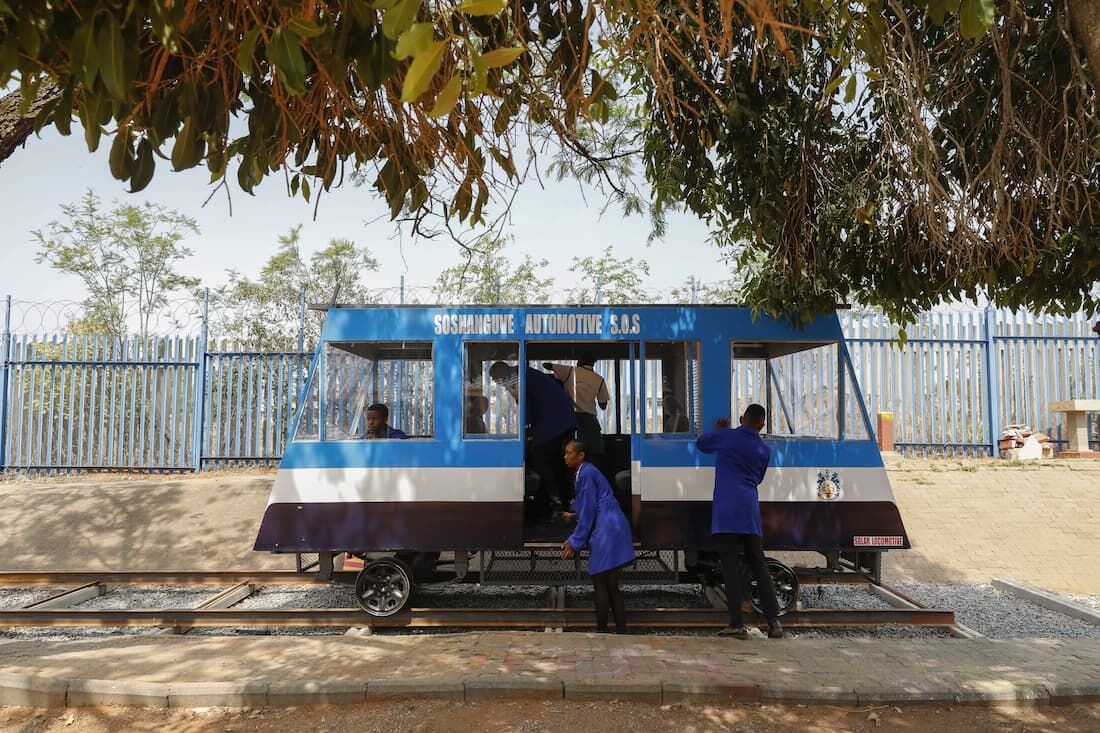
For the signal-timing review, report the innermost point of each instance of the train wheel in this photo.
(383, 587)
(785, 582)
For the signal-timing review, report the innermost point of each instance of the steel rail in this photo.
(540, 618)
(271, 577)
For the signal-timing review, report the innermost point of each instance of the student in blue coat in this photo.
(735, 521)
(604, 530)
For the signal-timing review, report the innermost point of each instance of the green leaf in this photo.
(938, 10)
(120, 161)
(28, 36)
(447, 98)
(111, 62)
(188, 150)
(850, 90)
(481, 72)
(45, 115)
(396, 20)
(306, 28)
(415, 40)
(287, 56)
(363, 13)
(832, 86)
(481, 7)
(144, 165)
(85, 57)
(975, 17)
(247, 50)
(499, 57)
(421, 71)
(63, 116)
(89, 114)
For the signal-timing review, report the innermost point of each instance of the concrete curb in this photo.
(624, 691)
(1048, 600)
(26, 690)
(21, 690)
(514, 688)
(86, 693)
(329, 692)
(218, 694)
(412, 689)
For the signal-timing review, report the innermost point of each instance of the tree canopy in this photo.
(266, 311)
(127, 258)
(891, 153)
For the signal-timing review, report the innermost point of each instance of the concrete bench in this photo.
(1077, 424)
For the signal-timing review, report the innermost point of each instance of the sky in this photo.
(555, 223)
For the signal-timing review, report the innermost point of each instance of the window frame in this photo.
(323, 368)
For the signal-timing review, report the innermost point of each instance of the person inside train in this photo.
(378, 427)
(736, 526)
(549, 413)
(604, 530)
(474, 414)
(586, 389)
(676, 419)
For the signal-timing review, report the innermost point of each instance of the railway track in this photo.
(58, 609)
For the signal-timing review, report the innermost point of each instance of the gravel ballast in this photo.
(981, 607)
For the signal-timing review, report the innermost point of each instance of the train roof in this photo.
(595, 328)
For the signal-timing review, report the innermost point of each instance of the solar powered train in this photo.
(459, 481)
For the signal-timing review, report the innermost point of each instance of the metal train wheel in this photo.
(785, 582)
(383, 587)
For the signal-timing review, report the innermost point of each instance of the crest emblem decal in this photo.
(828, 486)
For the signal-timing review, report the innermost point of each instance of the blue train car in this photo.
(459, 477)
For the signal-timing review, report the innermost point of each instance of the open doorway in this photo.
(605, 424)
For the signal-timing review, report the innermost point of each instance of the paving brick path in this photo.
(186, 672)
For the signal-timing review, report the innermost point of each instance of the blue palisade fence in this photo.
(184, 403)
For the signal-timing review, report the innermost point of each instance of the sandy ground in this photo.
(538, 717)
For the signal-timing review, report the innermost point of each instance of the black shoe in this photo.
(775, 631)
(737, 633)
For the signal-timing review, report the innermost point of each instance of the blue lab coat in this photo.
(601, 524)
(549, 408)
(738, 470)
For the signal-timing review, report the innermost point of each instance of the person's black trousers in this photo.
(730, 547)
(548, 462)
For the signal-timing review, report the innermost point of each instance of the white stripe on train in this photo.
(307, 485)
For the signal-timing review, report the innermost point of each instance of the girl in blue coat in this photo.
(604, 530)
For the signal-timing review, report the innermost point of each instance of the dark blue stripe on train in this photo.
(369, 526)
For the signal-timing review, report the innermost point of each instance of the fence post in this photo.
(992, 383)
(4, 387)
(401, 295)
(292, 395)
(198, 431)
(301, 320)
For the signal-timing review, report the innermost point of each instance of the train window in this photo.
(359, 374)
(309, 420)
(748, 382)
(488, 409)
(672, 401)
(804, 392)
